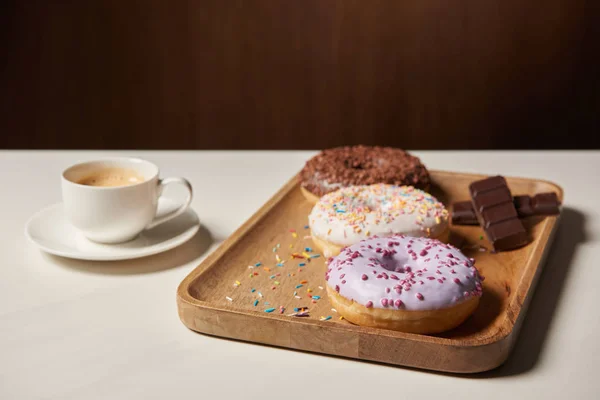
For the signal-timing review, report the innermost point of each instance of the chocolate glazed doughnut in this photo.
(340, 167)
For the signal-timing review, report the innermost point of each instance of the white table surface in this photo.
(91, 330)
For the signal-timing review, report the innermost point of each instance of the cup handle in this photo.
(161, 186)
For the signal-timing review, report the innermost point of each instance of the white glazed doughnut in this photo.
(355, 213)
(404, 283)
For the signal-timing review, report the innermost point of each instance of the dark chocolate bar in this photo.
(496, 213)
(546, 204)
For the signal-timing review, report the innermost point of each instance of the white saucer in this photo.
(52, 233)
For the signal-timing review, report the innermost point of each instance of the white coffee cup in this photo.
(113, 200)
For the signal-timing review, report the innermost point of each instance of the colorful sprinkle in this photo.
(228, 298)
(255, 303)
(270, 310)
(300, 314)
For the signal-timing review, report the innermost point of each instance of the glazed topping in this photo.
(362, 165)
(404, 272)
(351, 214)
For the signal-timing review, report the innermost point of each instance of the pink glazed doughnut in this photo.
(408, 284)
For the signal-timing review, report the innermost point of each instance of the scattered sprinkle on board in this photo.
(305, 257)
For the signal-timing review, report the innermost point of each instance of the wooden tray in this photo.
(483, 342)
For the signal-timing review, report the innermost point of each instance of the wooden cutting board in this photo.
(254, 271)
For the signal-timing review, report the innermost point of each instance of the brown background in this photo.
(307, 74)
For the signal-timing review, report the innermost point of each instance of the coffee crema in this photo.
(111, 177)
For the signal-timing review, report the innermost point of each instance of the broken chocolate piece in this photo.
(545, 204)
(496, 213)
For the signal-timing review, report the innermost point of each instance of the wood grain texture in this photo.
(481, 343)
(269, 74)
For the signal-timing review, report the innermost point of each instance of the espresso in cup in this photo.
(111, 177)
(113, 200)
